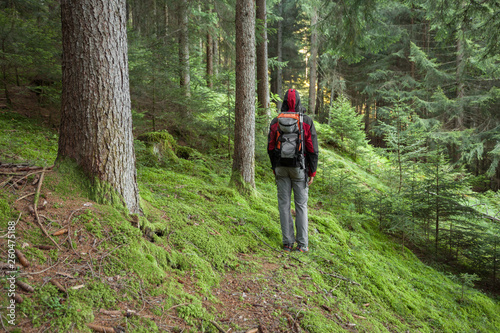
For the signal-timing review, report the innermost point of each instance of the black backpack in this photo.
(289, 139)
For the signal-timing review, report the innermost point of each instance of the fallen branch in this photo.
(24, 196)
(44, 270)
(37, 195)
(16, 168)
(6, 182)
(176, 306)
(217, 326)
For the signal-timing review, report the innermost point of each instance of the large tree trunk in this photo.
(244, 129)
(313, 61)
(96, 117)
(262, 69)
(185, 76)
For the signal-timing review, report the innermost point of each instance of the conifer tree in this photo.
(96, 120)
(244, 130)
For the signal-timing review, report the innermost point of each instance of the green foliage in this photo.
(24, 141)
(31, 37)
(347, 126)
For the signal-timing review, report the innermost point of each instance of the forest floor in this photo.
(249, 301)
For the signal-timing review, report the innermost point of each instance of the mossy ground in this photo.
(211, 253)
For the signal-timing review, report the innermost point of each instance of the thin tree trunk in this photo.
(262, 69)
(4, 76)
(437, 207)
(460, 73)
(495, 262)
(185, 76)
(244, 128)
(96, 117)
(319, 98)
(279, 71)
(313, 61)
(210, 61)
(216, 56)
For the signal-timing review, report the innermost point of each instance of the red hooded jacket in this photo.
(291, 103)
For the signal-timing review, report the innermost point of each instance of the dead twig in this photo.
(217, 326)
(1, 320)
(6, 182)
(25, 196)
(37, 195)
(176, 306)
(46, 269)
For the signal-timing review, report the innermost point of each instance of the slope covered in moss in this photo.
(204, 255)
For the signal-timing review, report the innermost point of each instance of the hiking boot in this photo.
(302, 249)
(287, 247)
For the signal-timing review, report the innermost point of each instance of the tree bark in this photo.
(185, 76)
(262, 69)
(313, 61)
(244, 130)
(459, 76)
(210, 61)
(96, 117)
(279, 72)
(318, 107)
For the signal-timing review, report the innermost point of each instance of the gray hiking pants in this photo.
(288, 179)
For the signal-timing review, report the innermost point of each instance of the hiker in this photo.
(293, 150)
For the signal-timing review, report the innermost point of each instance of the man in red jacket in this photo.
(296, 176)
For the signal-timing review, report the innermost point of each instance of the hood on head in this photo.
(291, 101)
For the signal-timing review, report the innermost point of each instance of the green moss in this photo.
(64, 313)
(33, 253)
(193, 311)
(141, 325)
(160, 145)
(23, 140)
(6, 213)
